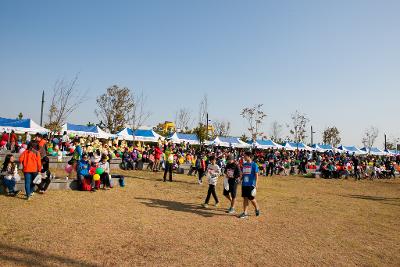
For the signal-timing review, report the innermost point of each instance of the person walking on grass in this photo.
(213, 171)
(32, 165)
(249, 185)
(232, 172)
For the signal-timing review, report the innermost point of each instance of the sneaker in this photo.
(231, 211)
(216, 204)
(257, 213)
(205, 205)
(243, 216)
(200, 182)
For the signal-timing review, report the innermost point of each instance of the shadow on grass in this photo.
(178, 206)
(159, 179)
(14, 255)
(395, 201)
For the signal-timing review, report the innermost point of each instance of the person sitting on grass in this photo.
(213, 171)
(10, 175)
(249, 185)
(105, 176)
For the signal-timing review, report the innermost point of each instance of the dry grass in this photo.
(304, 222)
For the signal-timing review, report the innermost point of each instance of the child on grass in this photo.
(213, 172)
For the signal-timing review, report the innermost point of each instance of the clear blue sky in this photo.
(337, 61)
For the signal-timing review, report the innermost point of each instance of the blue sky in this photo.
(336, 61)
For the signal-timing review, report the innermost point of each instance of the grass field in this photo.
(304, 222)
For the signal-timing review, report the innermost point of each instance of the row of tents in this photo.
(148, 135)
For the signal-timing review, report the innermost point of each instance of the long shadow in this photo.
(24, 256)
(159, 179)
(395, 201)
(178, 206)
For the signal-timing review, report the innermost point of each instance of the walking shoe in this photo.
(217, 204)
(205, 205)
(257, 213)
(231, 211)
(243, 216)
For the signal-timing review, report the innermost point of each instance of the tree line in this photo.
(119, 107)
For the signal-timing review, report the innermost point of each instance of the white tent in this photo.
(83, 130)
(21, 126)
(374, 151)
(322, 147)
(266, 144)
(350, 150)
(142, 135)
(178, 138)
(296, 146)
(229, 142)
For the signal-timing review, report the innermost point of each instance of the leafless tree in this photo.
(276, 129)
(392, 142)
(139, 114)
(183, 119)
(65, 99)
(331, 136)
(115, 107)
(255, 117)
(203, 110)
(370, 136)
(299, 123)
(222, 128)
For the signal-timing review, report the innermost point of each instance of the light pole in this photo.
(312, 135)
(41, 110)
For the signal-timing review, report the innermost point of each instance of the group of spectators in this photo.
(90, 158)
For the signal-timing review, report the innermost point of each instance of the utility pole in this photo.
(207, 127)
(41, 110)
(312, 135)
(385, 143)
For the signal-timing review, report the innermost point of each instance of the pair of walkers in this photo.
(248, 176)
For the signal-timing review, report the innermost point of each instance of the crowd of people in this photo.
(89, 162)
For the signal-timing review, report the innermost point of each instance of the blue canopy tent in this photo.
(266, 144)
(229, 142)
(21, 126)
(374, 151)
(350, 150)
(142, 135)
(392, 152)
(187, 138)
(83, 130)
(322, 147)
(295, 146)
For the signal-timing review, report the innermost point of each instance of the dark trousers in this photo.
(201, 174)
(105, 179)
(270, 168)
(168, 169)
(45, 181)
(211, 191)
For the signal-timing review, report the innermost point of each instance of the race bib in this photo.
(246, 169)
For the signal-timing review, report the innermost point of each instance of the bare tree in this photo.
(299, 123)
(203, 110)
(115, 107)
(183, 119)
(254, 116)
(222, 128)
(276, 130)
(331, 136)
(139, 113)
(64, 101)
(392, 142)
(370, 136)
